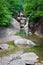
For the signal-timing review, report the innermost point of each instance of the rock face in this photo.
(15, 24)
(4, 46)
(24, 41)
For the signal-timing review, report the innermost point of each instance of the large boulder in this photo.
(29, 58)
(23, 41)
(20, 41)
(4, 46)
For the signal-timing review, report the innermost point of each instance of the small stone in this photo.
(4, 46)
(30, 33)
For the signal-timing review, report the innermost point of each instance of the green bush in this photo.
(7, 8)
(5, 14)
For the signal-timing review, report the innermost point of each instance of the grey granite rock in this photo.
(4, 46)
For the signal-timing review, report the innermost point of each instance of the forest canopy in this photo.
(7, 8)
(32, 8)
(34, 12)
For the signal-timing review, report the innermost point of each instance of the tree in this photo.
(5, 14)
(15, 6)
(7, 8)
(34, 10)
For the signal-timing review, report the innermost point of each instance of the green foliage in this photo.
(22, 31)
(15, 5)
(5, 14)
(33, 6)
(34, 11)
(7, 8)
